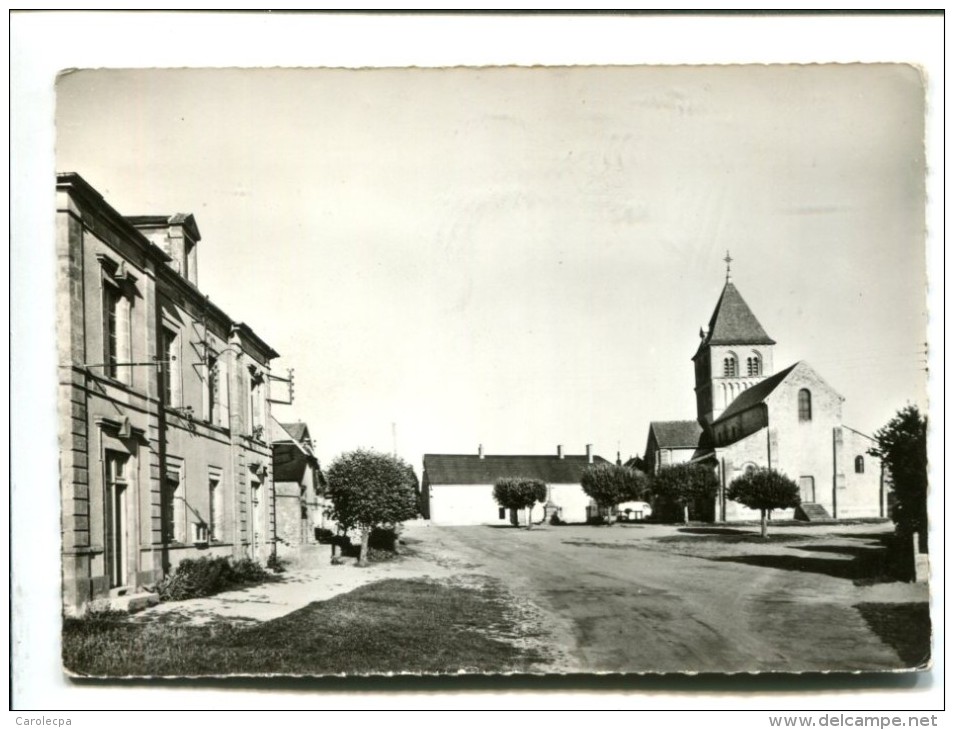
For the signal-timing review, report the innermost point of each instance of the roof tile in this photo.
(472, 469)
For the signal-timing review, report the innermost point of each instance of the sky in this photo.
(522, 258)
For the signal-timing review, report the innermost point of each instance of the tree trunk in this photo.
(685, 513)
(530, 517)
(764, 523)
(363, 555)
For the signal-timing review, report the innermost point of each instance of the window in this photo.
(216, 530)
(116, 335)
(804, 405)
(730, 366)
(175, 507)
(256, 410)
(753, 366)
(502, 513)
(213, 384)
(859, 465)
(114, 517)
(256, 518)
(170, 367)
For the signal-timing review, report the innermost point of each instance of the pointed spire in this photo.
(733, 323)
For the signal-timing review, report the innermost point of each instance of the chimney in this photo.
(560, 450)
(619, 460)
(480, 451)
(589, 453)
(177, 235)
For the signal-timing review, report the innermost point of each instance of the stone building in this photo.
(458, 489)
(163, 404)
(671, 442)
(299, 500)
(749, 415)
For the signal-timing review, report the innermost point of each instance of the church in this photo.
(749, 415)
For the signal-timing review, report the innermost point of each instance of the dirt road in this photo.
(619, 599)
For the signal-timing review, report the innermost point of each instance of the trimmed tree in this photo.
(764, 490)
(368, 490)
(684, 485)
(520, 493)
(902, 447)
(609, 484)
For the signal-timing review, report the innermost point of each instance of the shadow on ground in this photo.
(863, 566)
(606, 545)
(739, 536)
(713, 531)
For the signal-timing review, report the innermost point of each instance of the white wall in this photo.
(571, 498)
(474, 504)
(465, 504)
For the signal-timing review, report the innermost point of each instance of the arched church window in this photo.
(730, 366)
(804, 405)
(859, 465)
(753, 365)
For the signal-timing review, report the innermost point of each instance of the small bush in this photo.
(247, 570)
(200, 577)
(276, 564)
(195, 578)
(383, 538)
(376, 555)
(555, 519)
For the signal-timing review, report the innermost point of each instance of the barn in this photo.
(457, 489)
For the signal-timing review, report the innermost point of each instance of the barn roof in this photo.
(288, 463)
(298, 431)
(676, 434)
(472, 469)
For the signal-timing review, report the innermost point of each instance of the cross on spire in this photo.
(728, 267)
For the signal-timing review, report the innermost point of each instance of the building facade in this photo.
(163, 405)
(458, 489)
(750, 416)
(300, 504)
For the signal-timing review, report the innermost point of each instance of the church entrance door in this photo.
(806, 487)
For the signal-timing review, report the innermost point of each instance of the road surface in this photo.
(617, 599)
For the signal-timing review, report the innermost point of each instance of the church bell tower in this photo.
(734, 353)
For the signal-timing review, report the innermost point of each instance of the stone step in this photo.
(812, 512)
(133, 602)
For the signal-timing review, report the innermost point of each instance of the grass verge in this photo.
(905, 627)
(389, 626)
